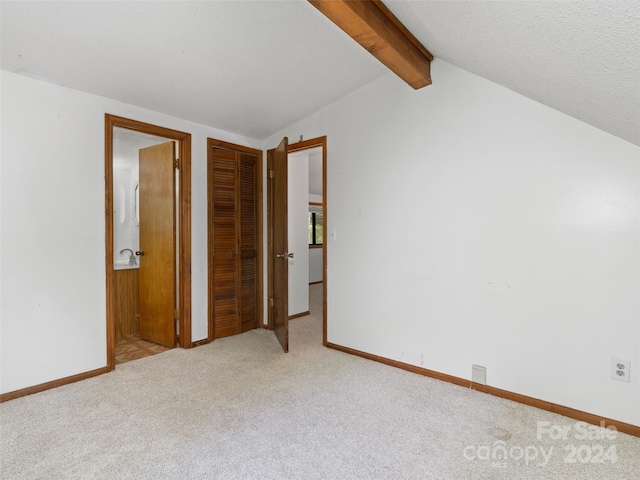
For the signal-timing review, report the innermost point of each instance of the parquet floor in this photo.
(132, 347)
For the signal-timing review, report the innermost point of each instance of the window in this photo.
(316, 236)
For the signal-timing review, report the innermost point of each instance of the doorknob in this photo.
(140, 253)
(284, 255)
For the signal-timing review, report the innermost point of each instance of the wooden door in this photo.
(233, 222)
(223, 181)
(157, 258)
(248, 241)
(280, 278)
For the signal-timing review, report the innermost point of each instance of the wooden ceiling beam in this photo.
(372, 25)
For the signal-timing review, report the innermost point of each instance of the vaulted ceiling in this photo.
(579, 57)
(253, 67)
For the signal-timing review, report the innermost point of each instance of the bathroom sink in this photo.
(123, 266)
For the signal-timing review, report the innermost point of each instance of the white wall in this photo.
(126, 174)
(125, 231)
(316, 260)
(298, 229)
(503, 234)
(52, 247)
(315, 172)
(315, 265)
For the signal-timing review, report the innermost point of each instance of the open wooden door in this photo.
(157, 253)
(280, 279)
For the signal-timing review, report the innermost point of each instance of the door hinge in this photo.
(176, 314)
(271, 173)
(176, 163)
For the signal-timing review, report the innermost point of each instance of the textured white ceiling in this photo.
(253, 67)
(247, 67)
(579, 57)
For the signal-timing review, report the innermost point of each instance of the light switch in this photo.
(333, 235)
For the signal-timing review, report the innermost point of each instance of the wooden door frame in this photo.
(298, 147)
(211, 142)
(183, 218)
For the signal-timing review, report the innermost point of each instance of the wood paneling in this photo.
(372, 25)
(126, 302)
(234, 239)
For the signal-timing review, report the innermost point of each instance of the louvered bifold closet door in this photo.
(233, 180)
(225, 243)
(248, 242)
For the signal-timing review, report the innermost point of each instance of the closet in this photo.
(233, 241)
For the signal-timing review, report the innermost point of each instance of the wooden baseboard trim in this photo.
(5, 397)
(516, 397)
(315, 283)
(199, 343)
(298, 315)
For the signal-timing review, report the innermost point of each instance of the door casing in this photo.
(184, 222)
(292, 148)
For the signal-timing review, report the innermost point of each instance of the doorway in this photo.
(305, 232)
(147, 266)
(320, 204)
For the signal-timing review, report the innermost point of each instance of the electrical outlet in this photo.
(620, 369)
(479, 374)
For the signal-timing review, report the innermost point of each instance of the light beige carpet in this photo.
(239, 408)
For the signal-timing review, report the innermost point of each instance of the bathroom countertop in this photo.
(124, 266)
